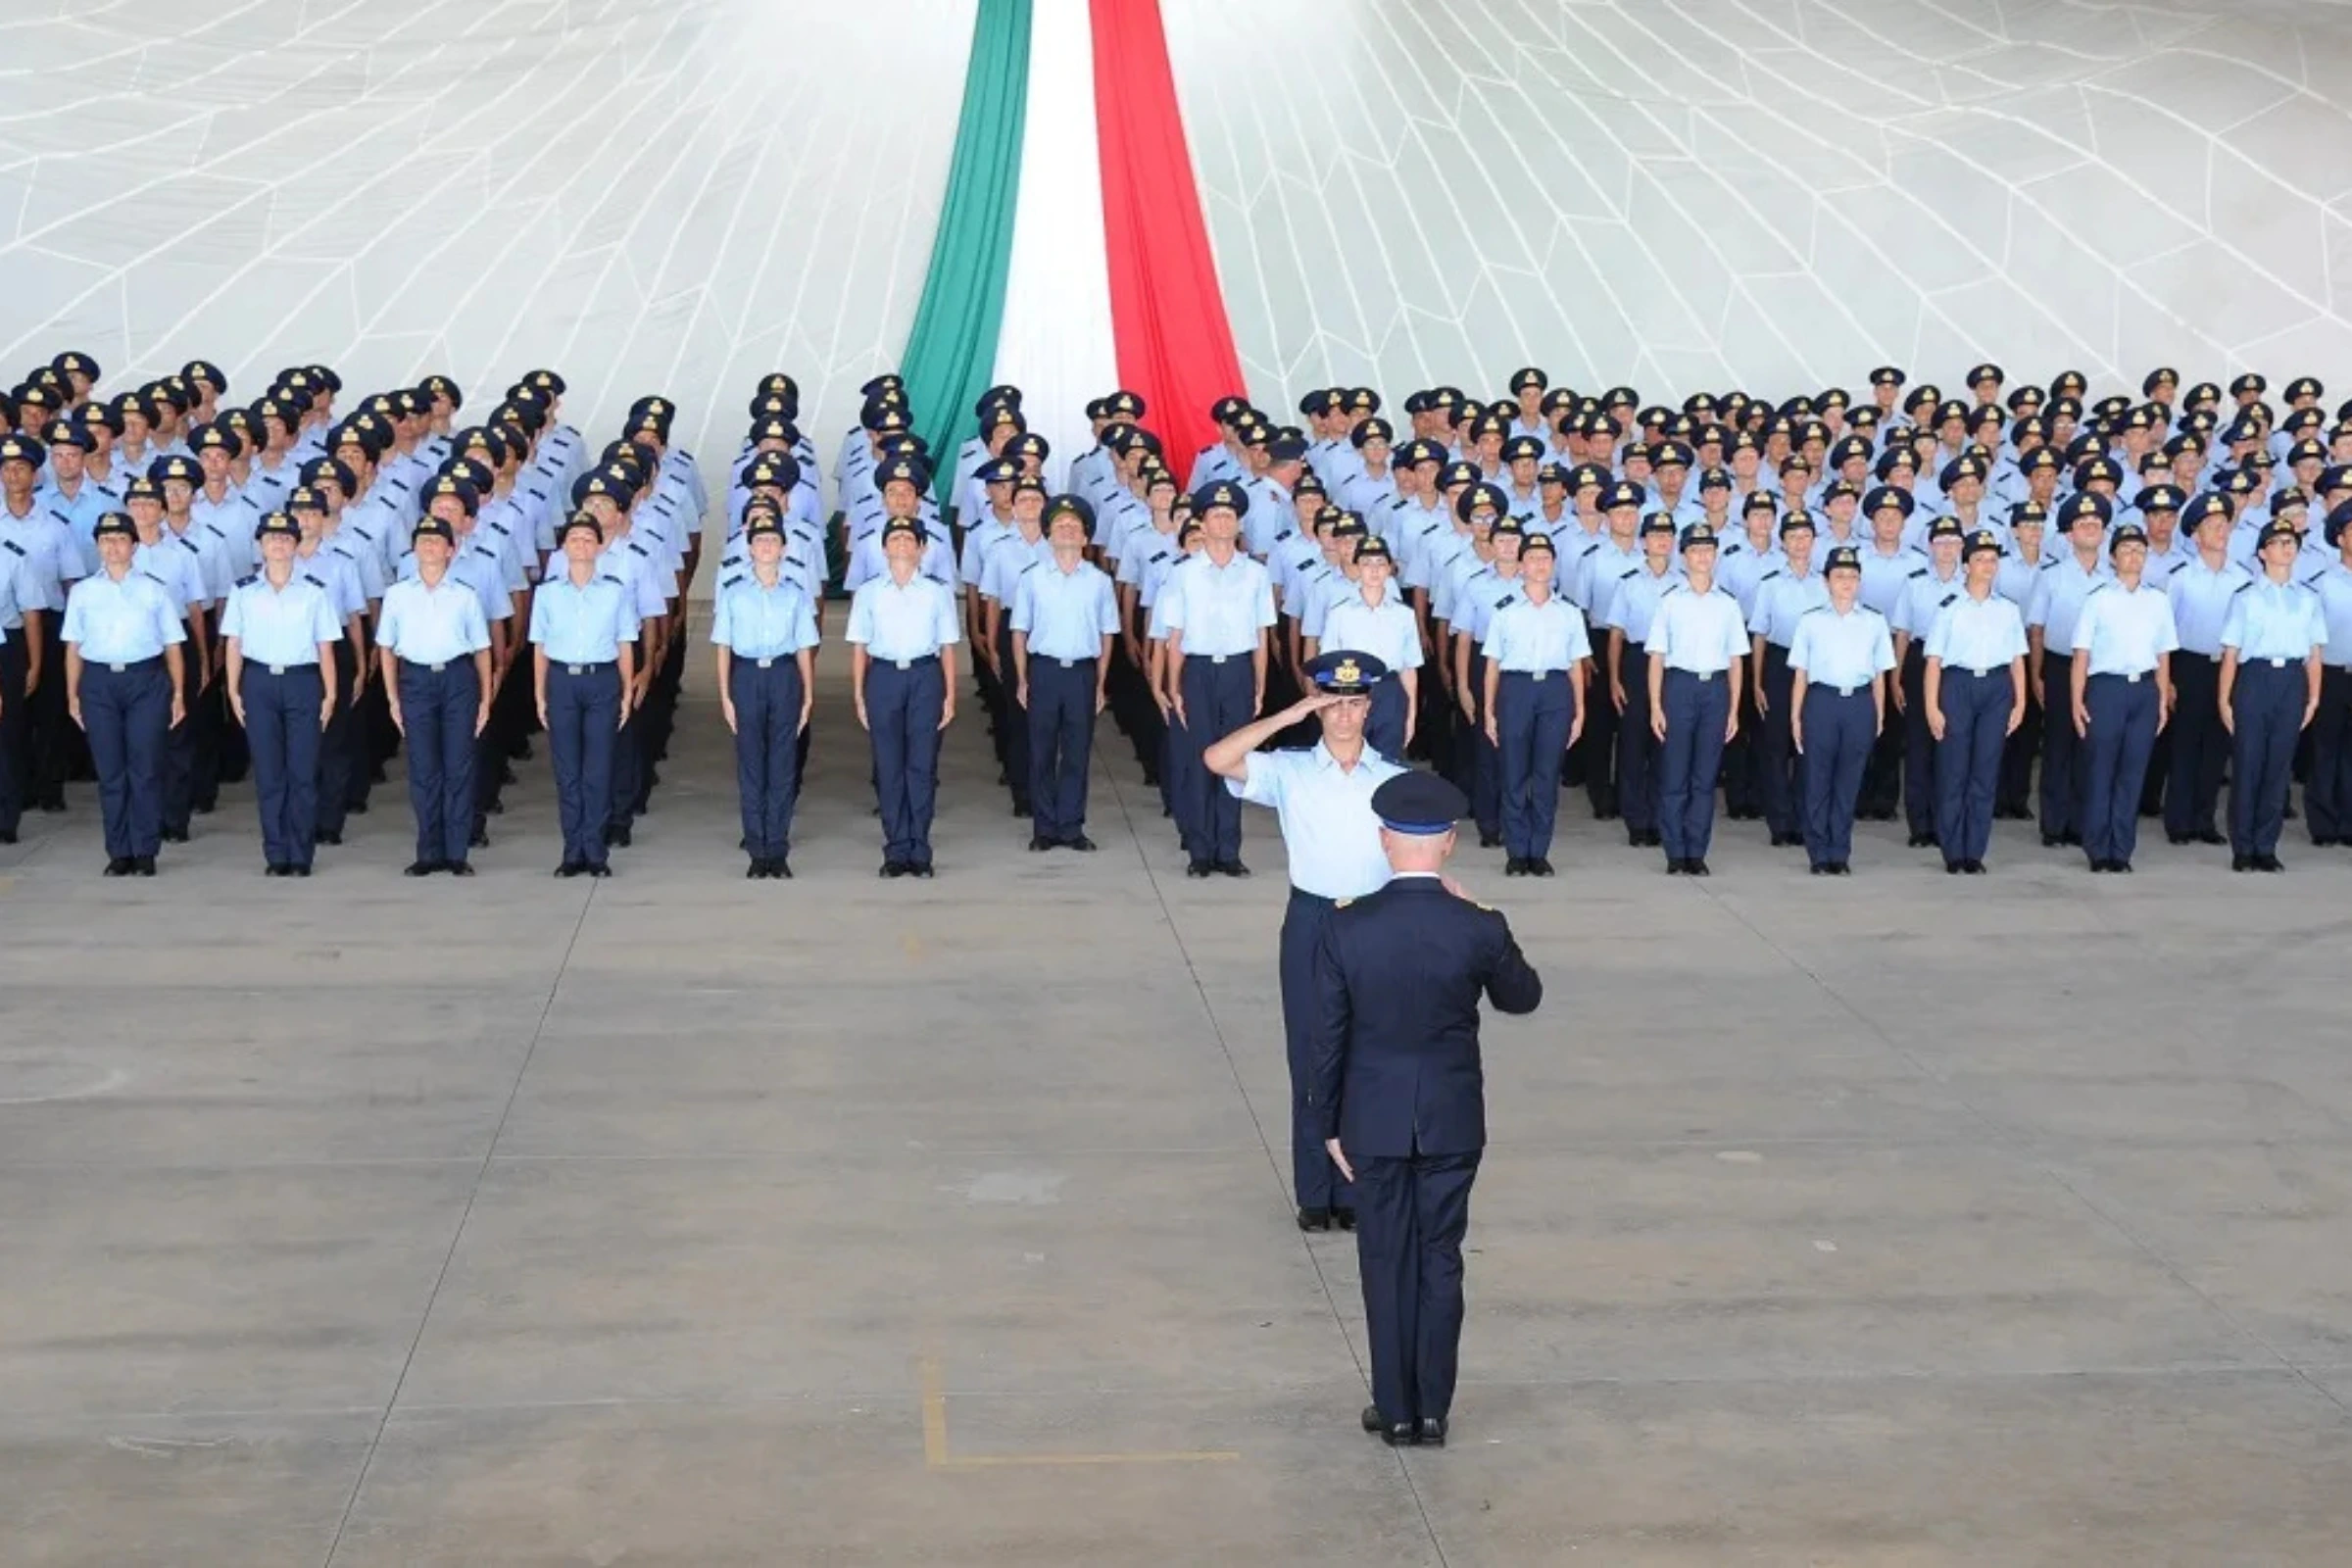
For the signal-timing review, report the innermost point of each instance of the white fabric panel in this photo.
(1056, 342)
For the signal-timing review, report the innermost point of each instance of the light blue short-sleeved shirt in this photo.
(1219, 609)
(583, 623)
(1633, 601)
(1843, 651)
(122, 623)
(2058, 599)
(1781, 600)
(1923, 597)
(1528, 638)
(1387, 630)
(897, 621)
(1065, 614)
(1701, 633)
(2274, 621)
(433, 626)
(1975, 635)
(2201, 598)
(281, 627)
(759, 621)
(176, 563)
(1328, 827)
(2123, 630)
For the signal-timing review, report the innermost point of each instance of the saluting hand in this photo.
(1339, 1158)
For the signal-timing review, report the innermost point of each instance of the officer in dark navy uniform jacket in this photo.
(1400, 1095)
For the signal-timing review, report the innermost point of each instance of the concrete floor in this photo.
(684, 1220)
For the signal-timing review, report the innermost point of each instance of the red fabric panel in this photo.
(1167, 311)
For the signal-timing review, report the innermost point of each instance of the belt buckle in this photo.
(118, 669)
(2277, 664)
(278, 669)
(2133, 677)
(1846, 691)
(764, 663)
(435, 669)
(576, 669)
(904, 663)
(1218, 658)
(1704, 674)
(1538, 676)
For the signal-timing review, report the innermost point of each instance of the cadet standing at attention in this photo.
(1698, 643)
(281, 631)
(122, 637)
(2122, 695)
(1217, 607)
(1838, 657)
(2050, 621)
(1322, 797)
(766, 631)
(1398, 1092)
(2269, 689)
(902, 633)
(1534, 701)
(1065, 615)
(1975, 699)
(434, 643)
(583, 669)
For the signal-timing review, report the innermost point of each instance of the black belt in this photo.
(598, 668)
(909, 664)
(1537, 676)
(282, 669)
(1702, 676)
(1087, 663)
(2132, 679)
(132, 667)
(434, 669)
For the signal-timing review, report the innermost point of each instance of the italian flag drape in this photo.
(1071, 256)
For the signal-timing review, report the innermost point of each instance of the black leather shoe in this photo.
(1490, 840)
(273, 869)
(1232, 868)
(1842, 868)
(335, 839)
(298, 870)
(1082, 844)
(1314, 1219)
(479, 839)
(1199, 869)
(142, 865)
(921, 868)
(893, 868)
(175, 835)
(2242, 862)
(2051, 841)
(756, 871)
(1039, 842)
(1539, 866)
(1951, 868)
(2212, 836)
(1432, 1433)
(1403, 1435)
(1973, 868)
(596, 869)
(1515, 867)
(780, 868)
(421, 868)
(459, 868)
(2268, 863)
(1343, 1218)
(120, 866)
(1673, 867)
(1695, 868)
(620, 836)
(1819, 869)
(568, 869)
(2180, 838)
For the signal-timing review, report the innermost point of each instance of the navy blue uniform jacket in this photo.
(1397, 979)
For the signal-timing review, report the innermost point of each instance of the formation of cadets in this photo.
(2009, 604)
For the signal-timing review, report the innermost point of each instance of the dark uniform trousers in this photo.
(1697, 707)
(126, 714)
(438, 705)
(1061, 742)
(2328, 797)
(1533, 711)
(2266, 709)
(1219, 695)
(2115, 763)
(2015, 795)
(1883, 774)
(1921, 796)
(1411, 1213)
(1840, 729)
(584, 720)
(1780, 773)
(339, 744)
(1742, 795)
(2061, 751)
(16, 729)
(1012, 723)
(180, 744)
(767, 754)
(902, 705)
(207, 728)
(626, 772)
(1314, 1179)
(1968, 765)
(1486, 757)
(281, 737)
(2200, 747)
(51, 754)
(1597, 750)
(1636, 747)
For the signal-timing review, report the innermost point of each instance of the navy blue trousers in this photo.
(281, 736)
(1218, 698)
(902, 708)
(584, 720)
(2115, 764)
(1061, 744)
(1411, 1213)
(182, 742)
(16, 729)
(768, 750)
(626, 771)
(1696, 710)
(339, 745)
(1922, 798)
(1313, 1177)
(1839, 732)
(126, 716)
(1636, 747)
(1780, 771)
(2327, 793)
(2266, 711)
(438, 709)
(1532, 714)
(2061, 750)
(1968, 763)
(1486, 757)
(2200, 749)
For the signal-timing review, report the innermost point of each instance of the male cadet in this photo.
(1323, 798)
(2269, 690)
(2202, 590)
(1887, 565)
(1217, 608)
(1697, 645)
(2327, 790)
(1270, 506)
(1633, 605)
(1836, 705)
(1535, 658)
(2058, 596)
(1927, 593)
(51, 564)
(766, 630)
(1397, 1092)
(1372, 617)
(1008, 556)
(1064, 615)
(123, 680)
(902, 632)
(1973, 699)
(2020, 574)
(1785, 595)
(21, 657)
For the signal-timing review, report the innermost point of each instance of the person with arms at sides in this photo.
(902, 634)
(2327, 793)
(584, 630)
(433, 642)
(765, 628)
(123, 638)
(1375, 618)
(1975, 699)
(1927, 592)
(1838, 658)
(281, 632)
(1322, 797)
(1065, 613)
(1697, 645)
(1398, 1092)
(2272, 644)
(2021, 573)
(2057, 604)
(2202, 589)
(1217, 608)
(1534, 660)
(1785, 594)
(2122, 695)
(1632, 603)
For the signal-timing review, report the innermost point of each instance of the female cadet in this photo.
(123, 686)
(1536, 651)
(584, 629)
(2122, 695)
(1975, 696)
(1837, 658)
(2269, 689)
(434, 643)
(766, 632)
(1375, 618)
(1064, 615)
(1697, 645)
(902, 628)
(281, 631)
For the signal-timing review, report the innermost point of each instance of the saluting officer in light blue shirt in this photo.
(766, 631)
(1836, 705)
(2122, 695)
(1973, 699)
(2269, 690)
(584, 628)
(1698, 647)
(281, 630)
(1064, 615)
(122, 639)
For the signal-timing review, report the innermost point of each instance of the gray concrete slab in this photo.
(684, 1219)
